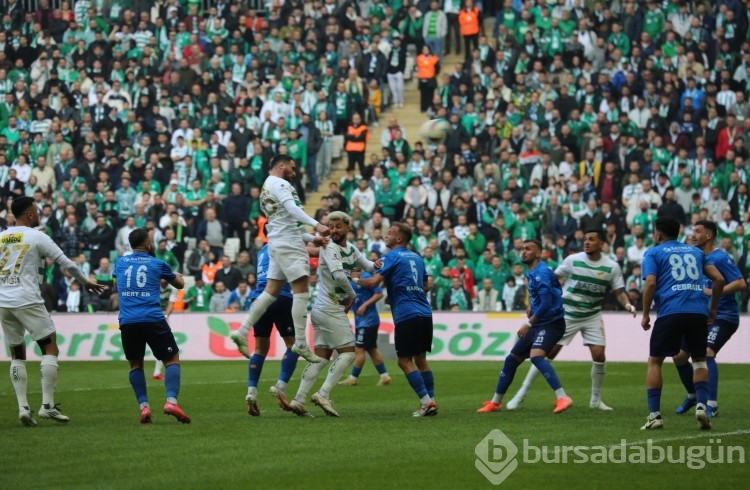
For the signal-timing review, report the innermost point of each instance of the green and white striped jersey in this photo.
(335, 258)
(586, 283)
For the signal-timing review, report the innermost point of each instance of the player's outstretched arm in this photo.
(50, 249)
(369, 282)
(365, 264)
(178, 282)
(297, 213)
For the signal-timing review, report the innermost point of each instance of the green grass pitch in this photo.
(376, 443)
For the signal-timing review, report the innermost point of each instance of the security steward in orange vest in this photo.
(470, 21)
(356, 138)
(428, 66)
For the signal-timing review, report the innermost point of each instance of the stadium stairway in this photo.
(408, 117)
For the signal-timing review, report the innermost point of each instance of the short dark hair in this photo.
(138, 237)
(403, 230)
(279, 159)
(705, 223)
(535, 242)
(670, 227)
(21, 205)
(599, 233)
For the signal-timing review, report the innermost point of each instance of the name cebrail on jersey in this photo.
(687, 287)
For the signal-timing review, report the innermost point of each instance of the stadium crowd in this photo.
(564, 116)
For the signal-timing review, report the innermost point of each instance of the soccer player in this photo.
(726, 323)
(405, 277)
(279, 314)
(23, 249)
(332, 328)
(366, 324)
(543, 329)
(167, 299)
(585, 277)
(672, 279)
(138, 279)
(289, 259)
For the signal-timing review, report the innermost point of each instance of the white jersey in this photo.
(281, 225)
(22, 253)
(586, 283)
(335, 258)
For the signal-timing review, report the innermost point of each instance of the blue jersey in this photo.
(545, 295)
(727, 309)
(138, 278)
(371, 318)
(678, 269)
(261, 275)
(405, 277)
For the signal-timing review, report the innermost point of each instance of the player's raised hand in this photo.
(95, 287)
(646, 322)
(322, 229)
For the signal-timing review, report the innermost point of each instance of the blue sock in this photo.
(429, 383)
(507, 374)
(288, 365)
(381, 368)
(686, 376)
(138, 382)
(701, 392)
(654, 399)
(417, 384)
(172, 380)
(254, 368)
(713, 379)
(544, 367)
(356, 371)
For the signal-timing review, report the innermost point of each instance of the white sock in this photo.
(299, 317)
(712, 403)
(597, 380)
(336, 371)
(158, 368)
(691, 396)
(309, 375)
(257, 309)
(560, 393)
(425, 400)
(19, 380)
(497, 398)
(171, 399)
(653, 415)
(281, 384)
(252, 390)
(49, 380)
(142, 404)
(382, 376)
(528, 381)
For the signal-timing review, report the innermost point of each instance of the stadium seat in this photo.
(232, 248)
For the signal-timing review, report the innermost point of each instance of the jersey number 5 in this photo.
(414, 272)
(681, 268)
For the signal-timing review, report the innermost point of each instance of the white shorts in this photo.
(591, 328)
(33, 318)
(332, 328)
(288, 261)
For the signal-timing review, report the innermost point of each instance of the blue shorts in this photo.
(279, 314)
(543, 337)
(718, 335)
(366, 337)
(671, 331)
(157, 335)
